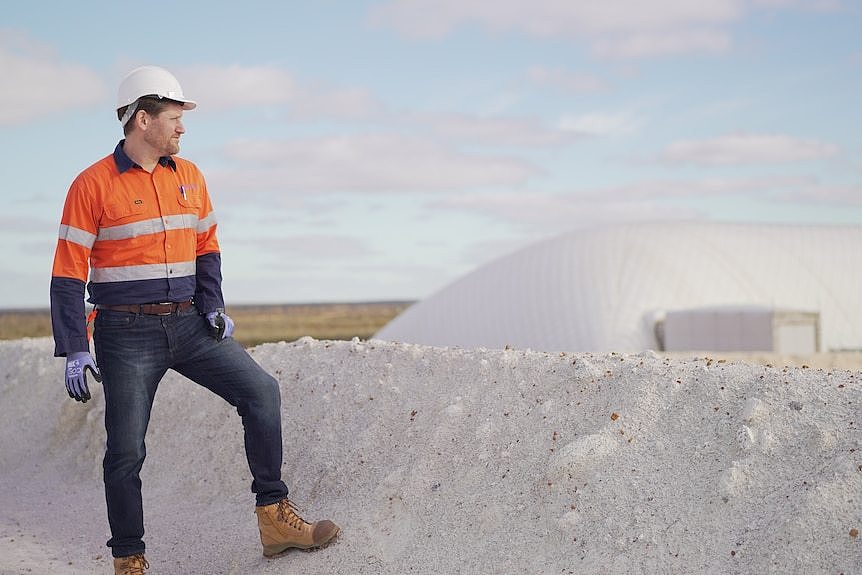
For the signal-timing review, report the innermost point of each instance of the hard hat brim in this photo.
(187, 104)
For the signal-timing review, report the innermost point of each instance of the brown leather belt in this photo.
(151, 308)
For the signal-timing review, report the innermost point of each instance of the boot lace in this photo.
(286, 513)
(136, 565)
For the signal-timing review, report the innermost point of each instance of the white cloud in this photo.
(700, 188)
(434, 18)
(641, 200)
(38, 83)
(813, 5)
(827, 194)
(657, 27)
(740, 149)
(600, 124)
(549, 212)
(312, 246)
(233, 86)
(365, 162)
(646, 45)
(240, 87)
(613, 28)
(220, 88)
(493, 131)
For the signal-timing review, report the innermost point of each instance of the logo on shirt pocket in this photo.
(123, 210)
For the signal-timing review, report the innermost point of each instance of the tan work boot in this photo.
(281, 528)
(131, 565)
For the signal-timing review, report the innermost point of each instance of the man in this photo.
(140, 224)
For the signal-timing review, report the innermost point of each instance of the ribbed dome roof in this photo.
(600, 289)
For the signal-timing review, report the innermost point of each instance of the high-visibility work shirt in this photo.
(139, 237)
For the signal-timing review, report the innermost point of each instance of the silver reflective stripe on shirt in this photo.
(77, 236)
(206, 223)
(150, 226)
(143, 272)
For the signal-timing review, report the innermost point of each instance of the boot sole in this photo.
(273, 551)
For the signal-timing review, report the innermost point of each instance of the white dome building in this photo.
(611, 288)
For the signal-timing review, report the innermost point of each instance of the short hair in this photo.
(152, 105)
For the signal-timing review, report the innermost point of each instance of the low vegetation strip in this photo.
(256, 324)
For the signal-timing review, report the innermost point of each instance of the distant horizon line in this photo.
(47, 308)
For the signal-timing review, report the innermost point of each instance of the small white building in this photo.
(605, 288)
(750, 328)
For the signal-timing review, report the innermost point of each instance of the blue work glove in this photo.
(221, 325)
(77, 364)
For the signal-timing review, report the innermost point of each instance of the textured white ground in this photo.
(445, 460)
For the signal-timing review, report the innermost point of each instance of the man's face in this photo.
(164, 130)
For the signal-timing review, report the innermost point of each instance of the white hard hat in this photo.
(151, 81)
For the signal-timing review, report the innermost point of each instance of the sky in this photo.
(380, 150)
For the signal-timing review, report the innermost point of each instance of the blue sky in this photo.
(361, 151)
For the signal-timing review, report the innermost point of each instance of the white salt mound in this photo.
(440, 460)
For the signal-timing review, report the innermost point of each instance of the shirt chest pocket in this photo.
(189, 199)
(122, 220)
(121, 212)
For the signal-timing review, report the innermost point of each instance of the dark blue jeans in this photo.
(134, 352)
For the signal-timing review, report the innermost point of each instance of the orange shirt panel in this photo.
(139, 218)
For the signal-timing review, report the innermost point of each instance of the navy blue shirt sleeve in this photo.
(208, 294)
(68, 317)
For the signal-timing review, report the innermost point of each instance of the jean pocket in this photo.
(193, 310)
(107, 319)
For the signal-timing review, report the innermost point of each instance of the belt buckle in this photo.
(172, 307)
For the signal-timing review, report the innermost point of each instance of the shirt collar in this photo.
(125, 163)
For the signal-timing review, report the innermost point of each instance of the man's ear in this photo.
(141, 118)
